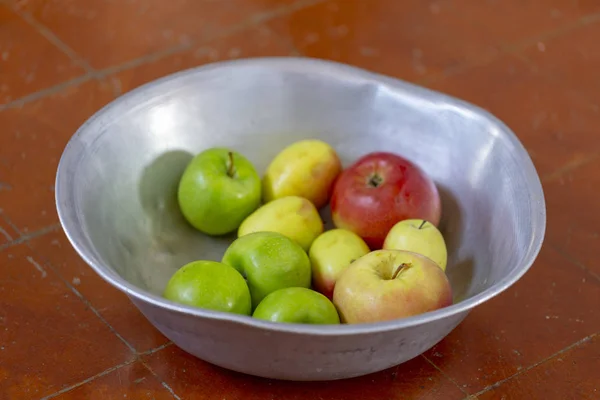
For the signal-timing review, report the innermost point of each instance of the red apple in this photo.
(379, 190)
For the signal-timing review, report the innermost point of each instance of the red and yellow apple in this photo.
(330, 254)
(390, 284)
(377, 191)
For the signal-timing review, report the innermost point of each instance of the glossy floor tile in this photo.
(555, 120)
(67, 334)
(33, 138)
(571, 58)
(410, 39)
(579, 236)
(49, 339)
(534, 19)
(29, 62)
(114, 306)
(570, 375)
(524, 325)
(194, 379)
(131, 381)
(134, 29)
(254, 42)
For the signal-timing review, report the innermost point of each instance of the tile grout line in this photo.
(516, 50)
(564, 254)
(137, 358)
(177, 49)
(83, 299)
(112, 369)
(163, 383)
(288, 43)
(53, 228)
(265, 16)
(115, 83)
(155, 349)
(9, 238)
(6, 235)
(43, 93)
(445, 375)
(549, 35)
(25, 237)
(52, 38)
(88, 380)
(512, 49)
(148, 58)
(299, 5)
(560, 172)
(537, 364)
(252, 22)
(530, 41)
(489, 56)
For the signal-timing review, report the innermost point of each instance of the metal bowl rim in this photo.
(70, 221)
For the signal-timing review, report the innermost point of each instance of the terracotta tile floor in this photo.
(66, 334)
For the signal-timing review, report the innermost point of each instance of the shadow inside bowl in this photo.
(147, 244)
(147, 251)
(459, 271)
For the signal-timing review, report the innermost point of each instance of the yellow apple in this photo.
(292, 216)
(418, 236)
(306, 169)
(390, 284)
(330, 254)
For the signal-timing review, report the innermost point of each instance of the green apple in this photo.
(218, 190)
(292, 216)
(418, 236)
(330, 254)
(390, 284)
(210, 285)
(269, 261)
(297, 305)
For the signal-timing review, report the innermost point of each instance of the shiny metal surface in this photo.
(116, 183)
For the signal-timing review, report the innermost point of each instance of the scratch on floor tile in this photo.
(37, 266)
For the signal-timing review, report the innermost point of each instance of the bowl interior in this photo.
(126, 161)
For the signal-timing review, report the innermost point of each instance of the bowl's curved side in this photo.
(295, 356)
(81, 144)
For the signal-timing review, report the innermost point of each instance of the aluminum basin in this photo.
(116, 198)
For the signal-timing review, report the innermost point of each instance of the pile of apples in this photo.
(385, 259)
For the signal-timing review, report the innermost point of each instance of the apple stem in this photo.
(401, 268)
(422, 223)
(375, 180)
(230, 168)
